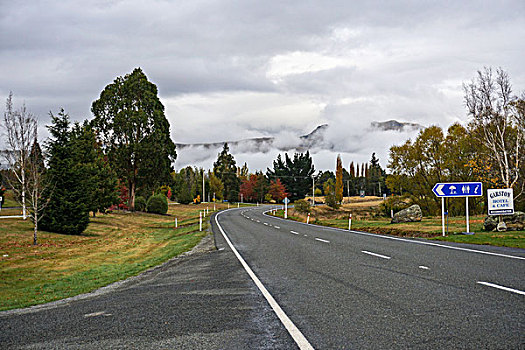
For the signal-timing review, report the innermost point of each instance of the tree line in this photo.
(489, 149)
(125, 150)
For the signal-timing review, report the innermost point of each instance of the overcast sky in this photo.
(230, 70)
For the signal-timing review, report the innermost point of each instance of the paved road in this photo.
(205, 301)
(341, 290)
(348, 290)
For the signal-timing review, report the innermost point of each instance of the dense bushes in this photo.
(302, 206)
(157, 204)
(140, 203)
(395, 204)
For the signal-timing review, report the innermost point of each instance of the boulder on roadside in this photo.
(515, 222)
(410, 214)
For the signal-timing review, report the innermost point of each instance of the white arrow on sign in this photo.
(438, 190)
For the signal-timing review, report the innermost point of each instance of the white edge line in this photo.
(375, 254)
(322, 240)
(404, 239)
(296, 334)
(502, 288)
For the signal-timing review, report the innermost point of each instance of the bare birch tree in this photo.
(498, 122)
(25, 161)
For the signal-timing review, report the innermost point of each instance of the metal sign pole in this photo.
(443, 214)
(466, 205)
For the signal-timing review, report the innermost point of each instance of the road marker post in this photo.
(350, 222)
(286, 201)
(176, 223)
(308, 218)
(200, 221)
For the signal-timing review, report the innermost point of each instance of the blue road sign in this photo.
(286, 200)
(458, 189)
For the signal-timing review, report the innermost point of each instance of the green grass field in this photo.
(114, 246)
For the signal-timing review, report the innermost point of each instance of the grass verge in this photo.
(114, 246)
(429, 228)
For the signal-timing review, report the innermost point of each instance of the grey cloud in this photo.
(405, 60)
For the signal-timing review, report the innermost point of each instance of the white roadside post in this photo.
(286, 207)
(350, 222)
(200, 221)
(176, 223)
(308, 218)
(207, 210)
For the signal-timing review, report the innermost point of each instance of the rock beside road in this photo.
(410, 214)
(515, 222)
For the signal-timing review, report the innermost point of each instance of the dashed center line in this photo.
(375, 254)
(322, 240)
(295, 233)
(277, 227)
(99, 313)
(265, 223)
(423, 267)
(488, 284)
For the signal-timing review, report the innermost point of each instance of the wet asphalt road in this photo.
(361, 291)
(204, 301)
(342, 290)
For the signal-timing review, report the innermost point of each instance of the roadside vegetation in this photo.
(367, 216)
(114, 246)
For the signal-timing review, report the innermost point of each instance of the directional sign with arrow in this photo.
(458, 189)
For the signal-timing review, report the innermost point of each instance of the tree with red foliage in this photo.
(277, 190)
(247, 188)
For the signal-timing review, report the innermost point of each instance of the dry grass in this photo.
(365, 218)
(113, 247)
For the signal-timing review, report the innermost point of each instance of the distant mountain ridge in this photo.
(315, 139)
(395, 126)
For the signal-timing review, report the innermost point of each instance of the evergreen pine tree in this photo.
(225, 168)
(67, 210)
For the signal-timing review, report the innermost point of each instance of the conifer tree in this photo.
(67, 210)
(225, 168)
(339, 180)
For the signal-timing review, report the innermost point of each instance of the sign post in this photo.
(286, 201)
(457, 189)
